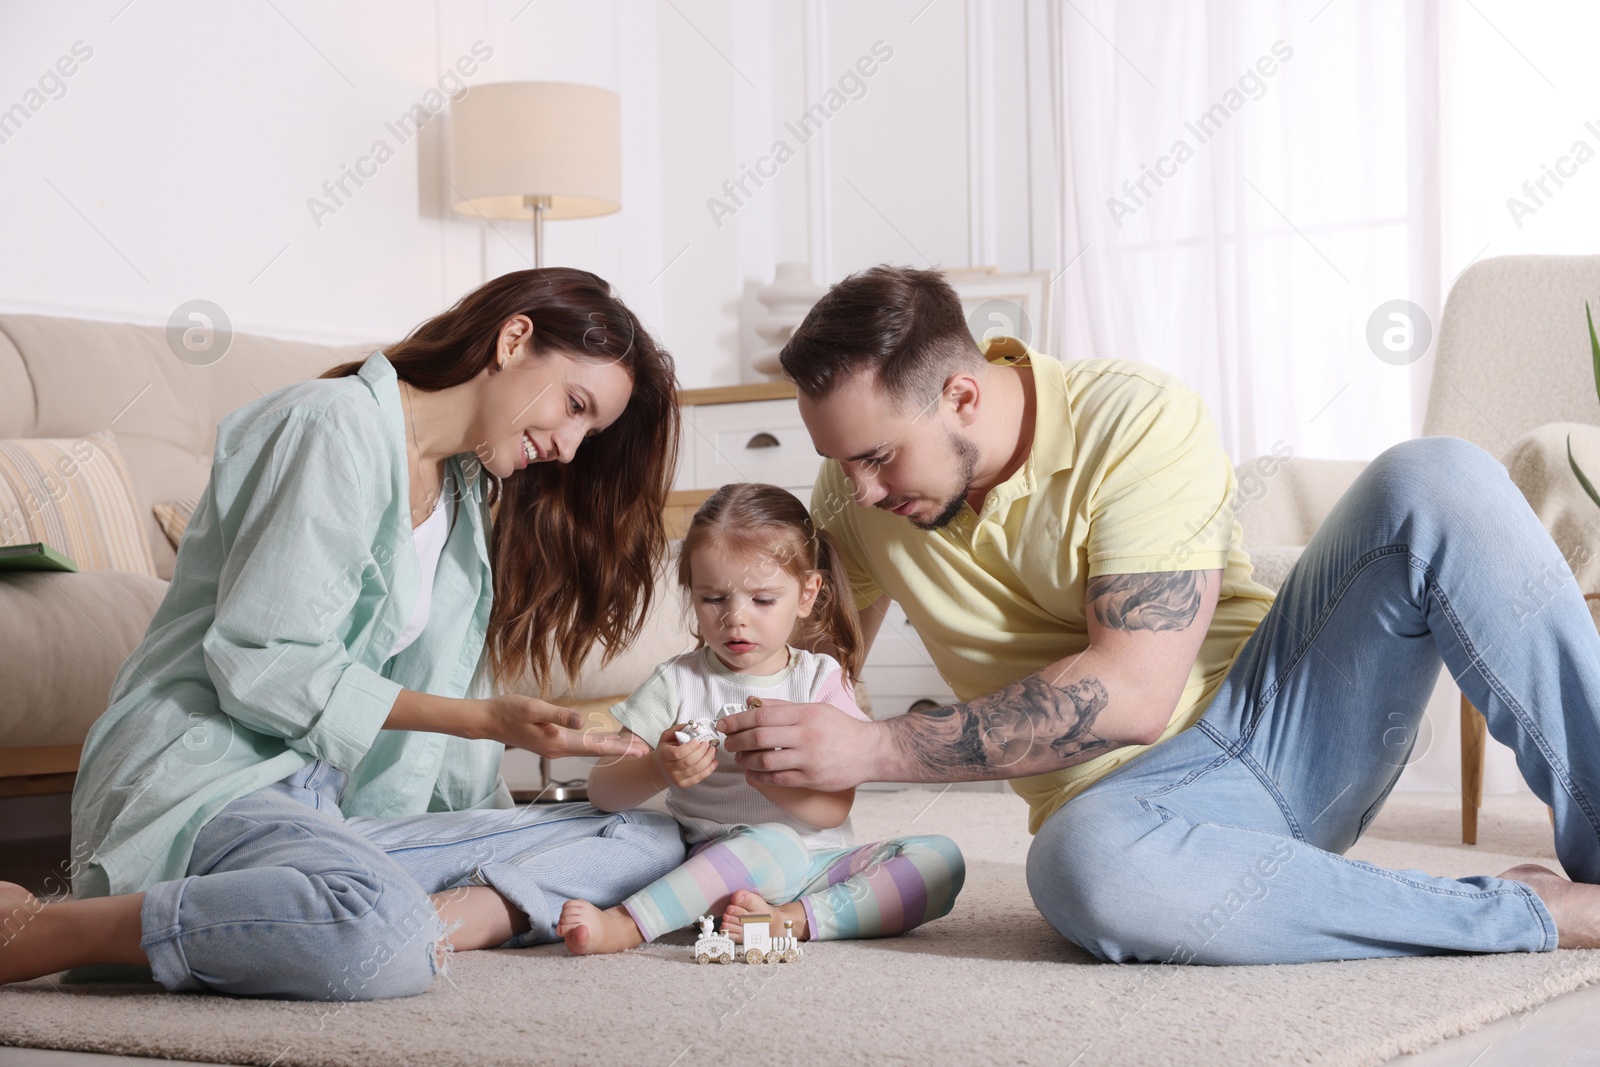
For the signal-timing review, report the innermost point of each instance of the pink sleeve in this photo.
(837, 690)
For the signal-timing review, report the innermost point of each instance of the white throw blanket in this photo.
(1537, 462)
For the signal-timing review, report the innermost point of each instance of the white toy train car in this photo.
(759, 944)
(711, 947)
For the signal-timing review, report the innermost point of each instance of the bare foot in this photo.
(19, 917)
(39, 937)
(744, 902)
(587, 930)
(1574, 906)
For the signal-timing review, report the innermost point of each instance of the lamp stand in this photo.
(551, 792)
(538, 205)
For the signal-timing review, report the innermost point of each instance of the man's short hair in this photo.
(904, 325)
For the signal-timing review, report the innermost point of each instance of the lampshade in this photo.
(515, 140)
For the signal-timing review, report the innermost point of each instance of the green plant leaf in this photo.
(1583, 481)
(1594, 347)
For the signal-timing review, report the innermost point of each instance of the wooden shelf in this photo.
(737, 394)
(39, 759)
(38, 769)
(681, 506)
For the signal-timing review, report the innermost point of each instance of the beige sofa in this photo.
(64, 636)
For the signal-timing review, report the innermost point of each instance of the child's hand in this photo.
(683, 765)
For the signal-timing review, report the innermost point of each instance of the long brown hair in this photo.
(575, 547)
(746, 517)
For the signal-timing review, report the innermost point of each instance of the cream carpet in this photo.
(989, 983)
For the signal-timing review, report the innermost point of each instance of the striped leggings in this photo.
(863, 891)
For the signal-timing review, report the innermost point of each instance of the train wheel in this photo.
(702, 958)
(752, 955)
(790, 956)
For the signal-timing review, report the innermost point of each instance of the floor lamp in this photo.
(536, 151)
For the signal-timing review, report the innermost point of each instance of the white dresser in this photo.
(753, 433)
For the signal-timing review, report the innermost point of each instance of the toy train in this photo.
(698, 730)
(759, 944)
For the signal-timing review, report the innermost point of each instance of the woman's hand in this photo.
(684, 765)
(519, 721)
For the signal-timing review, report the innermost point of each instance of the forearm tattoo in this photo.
(1165, 600)
(1028, 727)
(1034, 725)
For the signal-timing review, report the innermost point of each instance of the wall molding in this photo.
(819, 155)
(981, 250)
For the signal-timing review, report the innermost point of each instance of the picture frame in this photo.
(1009, 303)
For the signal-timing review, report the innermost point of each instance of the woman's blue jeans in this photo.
(285, 897)
(1223, 844)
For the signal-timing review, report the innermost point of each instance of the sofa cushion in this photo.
(65, 637)
(1270, 566)
(74, 494)
(173, 517)
(64, 377)
(1282, 501)
(1537, 464)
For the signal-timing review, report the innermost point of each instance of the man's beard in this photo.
(966, 463)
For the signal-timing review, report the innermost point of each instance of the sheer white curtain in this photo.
(1241, 185)
(1374, 163)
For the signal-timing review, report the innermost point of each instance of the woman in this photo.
(305, 745)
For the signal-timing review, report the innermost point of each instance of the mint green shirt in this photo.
(293, 581)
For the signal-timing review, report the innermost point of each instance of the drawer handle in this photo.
(762, 440)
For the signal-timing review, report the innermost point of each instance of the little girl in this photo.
(759, 575)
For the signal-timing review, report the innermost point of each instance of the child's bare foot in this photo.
(587, 930)
(744, 902)
(1574, 906)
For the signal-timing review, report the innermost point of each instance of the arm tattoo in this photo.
(1027, 727)
(1165, 600)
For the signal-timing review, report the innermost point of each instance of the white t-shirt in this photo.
(429, 539)
(696, 685)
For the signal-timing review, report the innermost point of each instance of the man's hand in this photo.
(684, 765)
(819, 746)
(519, 721)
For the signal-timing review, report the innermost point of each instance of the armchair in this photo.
(1512, 375)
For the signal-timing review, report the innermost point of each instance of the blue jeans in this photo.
(285, 897)
(1223, 845)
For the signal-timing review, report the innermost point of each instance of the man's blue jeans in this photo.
(285, 897)
(1223, 844)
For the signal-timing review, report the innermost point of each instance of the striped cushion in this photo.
(174, 517)
(74, 494)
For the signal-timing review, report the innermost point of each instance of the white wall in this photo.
(179, 160)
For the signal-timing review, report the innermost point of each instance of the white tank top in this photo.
(429, 539)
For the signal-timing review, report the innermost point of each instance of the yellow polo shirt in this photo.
(1126, 475)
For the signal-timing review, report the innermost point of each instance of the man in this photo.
(1195, 754)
